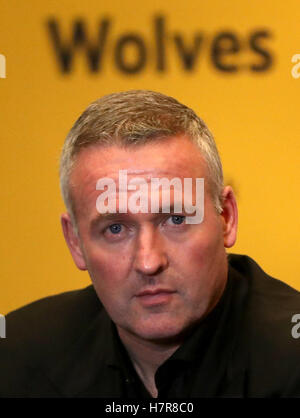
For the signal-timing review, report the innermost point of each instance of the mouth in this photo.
(151, 297)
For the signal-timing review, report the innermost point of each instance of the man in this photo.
(168, 314)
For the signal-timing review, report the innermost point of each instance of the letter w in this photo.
(65, 51)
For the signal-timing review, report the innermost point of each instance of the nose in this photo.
(150, 256)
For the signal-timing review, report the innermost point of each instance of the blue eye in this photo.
(178, 220)
(115, 228)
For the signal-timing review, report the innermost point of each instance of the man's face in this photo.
(154, 274)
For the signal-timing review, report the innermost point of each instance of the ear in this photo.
(73, 241)
(230, 217)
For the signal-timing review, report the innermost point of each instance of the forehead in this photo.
(172, 157)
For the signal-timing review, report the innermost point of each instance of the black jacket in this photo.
(67, 346)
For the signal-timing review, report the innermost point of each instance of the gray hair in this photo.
(134, 118)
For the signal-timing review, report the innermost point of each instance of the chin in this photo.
(162, 333)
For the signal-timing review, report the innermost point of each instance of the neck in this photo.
(147, 356)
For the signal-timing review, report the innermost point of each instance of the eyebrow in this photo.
(117, 215)
(105, 217)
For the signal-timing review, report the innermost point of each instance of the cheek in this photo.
(105, 267)
(106, 275)
(108, 271)
(201, 259)
(203, 247)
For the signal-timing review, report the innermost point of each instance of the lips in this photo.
(154, 291)
(158, 296)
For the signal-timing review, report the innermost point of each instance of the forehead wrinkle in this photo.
(185, 165)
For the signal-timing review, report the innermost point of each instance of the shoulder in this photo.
(268, 337)
(41, 332)
(52, 316)
(268, 296)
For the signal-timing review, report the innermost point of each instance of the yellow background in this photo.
(254, 117)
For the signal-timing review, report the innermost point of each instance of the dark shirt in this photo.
(176, 378)
(67, 346)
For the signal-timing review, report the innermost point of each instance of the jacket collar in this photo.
(78, 367)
